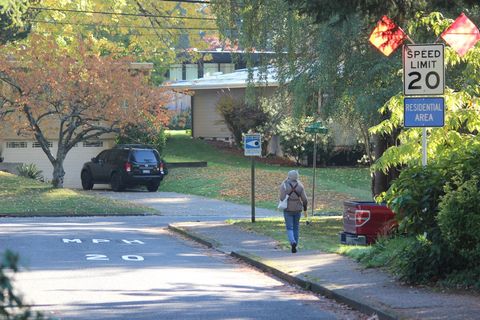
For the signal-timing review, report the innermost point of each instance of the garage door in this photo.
(30, 152)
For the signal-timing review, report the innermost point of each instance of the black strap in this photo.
(293, 190)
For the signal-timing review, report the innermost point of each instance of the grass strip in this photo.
(321, 234)
(26, 197)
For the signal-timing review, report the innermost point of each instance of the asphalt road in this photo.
(133, 268)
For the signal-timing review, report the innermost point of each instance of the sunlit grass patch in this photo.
(321, 234)
(25, 197)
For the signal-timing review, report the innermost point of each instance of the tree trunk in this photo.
(379, 179)
(368, 144)
(58, 173)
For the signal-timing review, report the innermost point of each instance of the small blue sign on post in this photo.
(424, 112)
(252, 143)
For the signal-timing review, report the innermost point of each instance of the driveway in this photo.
(182, 207)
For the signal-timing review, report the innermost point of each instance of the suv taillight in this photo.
(128, 167)
(361, 217)
(160, 167)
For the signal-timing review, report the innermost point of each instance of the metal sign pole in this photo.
(252, 142)
(253, 189)
(424, 147)
(314, 172)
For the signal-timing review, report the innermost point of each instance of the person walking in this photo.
(297, 200)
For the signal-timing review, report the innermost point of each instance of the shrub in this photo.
(463, 279)
(425, 261)
(459, 219)
(324, 148)
(30, 171)
(438, 206)
(293, 138)
(146, 133)
(239, 116)
(180, 121)
(413, 259)
(346, 156)
(414, 197)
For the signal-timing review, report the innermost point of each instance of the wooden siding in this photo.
(207, 121)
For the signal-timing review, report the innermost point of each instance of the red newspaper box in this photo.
(364, 221)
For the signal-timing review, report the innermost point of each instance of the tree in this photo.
(73, 97)
(13, 19)
(399, 10)
(161, 32)
(462, 100)
(322, 51)
(11, 304)
(328, 63)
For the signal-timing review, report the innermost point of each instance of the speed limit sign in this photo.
(423, 69)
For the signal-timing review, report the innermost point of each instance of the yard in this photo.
(227, 176)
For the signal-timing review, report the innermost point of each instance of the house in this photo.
(208, 63)
(23, 149)
(207, 122)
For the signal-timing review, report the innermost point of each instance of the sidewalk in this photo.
(368, 290)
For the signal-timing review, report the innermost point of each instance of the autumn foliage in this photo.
(73, 95)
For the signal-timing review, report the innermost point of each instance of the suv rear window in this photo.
(143, 156)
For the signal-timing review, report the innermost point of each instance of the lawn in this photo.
(26, 197)
(227, 176)
(321, 234)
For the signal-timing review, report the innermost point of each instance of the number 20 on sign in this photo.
(423, 69)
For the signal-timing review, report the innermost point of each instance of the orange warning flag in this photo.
(462, 35)
(387, 36)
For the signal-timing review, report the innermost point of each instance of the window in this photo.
(143, 156)
(93, 144)
(16, 144)
(176, 72)
(191, 71)
(227, 68)
(36, 144)
(209, 69)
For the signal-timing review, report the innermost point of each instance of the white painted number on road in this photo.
(97, 257)
(132, 258)
(102, 257)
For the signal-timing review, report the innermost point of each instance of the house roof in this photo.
(236, 79)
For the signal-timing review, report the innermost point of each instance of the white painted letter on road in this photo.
(100, 240)
(133, 241)
(72, 240)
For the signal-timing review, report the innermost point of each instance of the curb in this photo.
(191, 236)
(361, 306)
(192, 164)
(364, 307)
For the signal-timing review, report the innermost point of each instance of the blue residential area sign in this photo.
(424, 112)
(252, 144)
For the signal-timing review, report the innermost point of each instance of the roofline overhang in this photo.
(219, 86)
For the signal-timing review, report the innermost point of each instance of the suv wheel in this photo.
(87, 182)
(152, 186)
(116, 182)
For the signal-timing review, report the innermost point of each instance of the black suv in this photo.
(125, 165)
